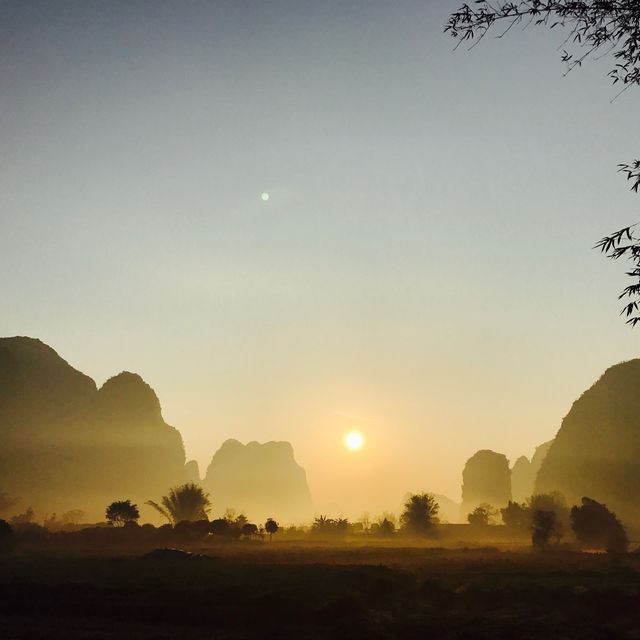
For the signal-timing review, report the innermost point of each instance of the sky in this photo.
(422, 270)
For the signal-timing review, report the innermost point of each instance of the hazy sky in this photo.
(422, 270)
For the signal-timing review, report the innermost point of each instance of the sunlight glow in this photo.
(353, 440)
(264, 196)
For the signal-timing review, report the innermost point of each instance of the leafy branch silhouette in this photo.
(624, 244)
(592, 26)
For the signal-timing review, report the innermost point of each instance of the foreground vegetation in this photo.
(545, 519)
(229, 578)
(291, 591)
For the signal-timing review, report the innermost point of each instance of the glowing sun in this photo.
(353, 440)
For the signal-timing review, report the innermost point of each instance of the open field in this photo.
(304, 591)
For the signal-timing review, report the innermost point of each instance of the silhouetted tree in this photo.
(6, 536)
(229, 526)
(237, 520)
(330, 526)
(595, 526)
(386, 528)
(553, 501)
(482, 514)
(593, 26)
(420, 514)
(229, 514)
(544, 526)
(220, 527)
(516, 516)
(186, 502)
(342, 526)
(249, 530)
(240, 520)
(191, 531)
(120, 512)
(321, 524)
(23, 518)
(30, 532)
(271, 527)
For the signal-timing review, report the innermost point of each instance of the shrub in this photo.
(482, 515)
(192, 531)
(6, 536)
(595, 526)
(220, 527)
(331, 527)
(516, 516)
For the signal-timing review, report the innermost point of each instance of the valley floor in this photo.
(292, 591)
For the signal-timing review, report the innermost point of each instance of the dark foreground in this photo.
(322, 593)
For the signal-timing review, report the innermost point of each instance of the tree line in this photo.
(546, 518)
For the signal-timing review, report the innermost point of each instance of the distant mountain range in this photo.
(65, 444)
(262, 480)
(595, 453)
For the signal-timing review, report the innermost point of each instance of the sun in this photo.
(353, 440)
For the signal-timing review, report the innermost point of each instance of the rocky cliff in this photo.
(67, 445)
(486, 478)
(597, 448)
(524, 472)
(260, 480)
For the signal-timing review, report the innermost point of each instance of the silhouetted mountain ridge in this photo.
(263, 480)
(524, 472)
(486, 478)
(67, 444)
(597, 448)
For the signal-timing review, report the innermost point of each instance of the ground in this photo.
(305, 591)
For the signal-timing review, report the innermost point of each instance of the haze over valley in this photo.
(319, 320)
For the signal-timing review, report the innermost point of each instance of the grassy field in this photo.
(301, 591)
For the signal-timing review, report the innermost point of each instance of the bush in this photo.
(385, 528)
(148, 532)
(553, 501)
(595, 526)
(220, 527)
(482, 515)
(188, 531)
(330, 527)
(23, 518)
(6, 536)
(516, 516)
